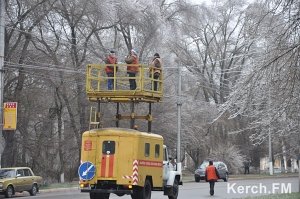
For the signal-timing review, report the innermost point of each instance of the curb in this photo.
(59, 189)
(190, 179)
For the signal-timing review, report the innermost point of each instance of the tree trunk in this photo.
(60, 137)
(8, 156)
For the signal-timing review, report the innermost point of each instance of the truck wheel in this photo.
(136, 192)
(99, 195)
(175, 189)
(142, 192)
(9, 192)
(147, 190)
(197, 179)
(33, 190)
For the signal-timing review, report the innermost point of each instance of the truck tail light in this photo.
(83, 185)
(127, 186)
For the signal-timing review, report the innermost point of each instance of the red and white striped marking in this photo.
(127, 177)
(135, 173)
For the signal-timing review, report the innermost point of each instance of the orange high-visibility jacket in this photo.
(110, 60)
(211, 173)
(133, 59)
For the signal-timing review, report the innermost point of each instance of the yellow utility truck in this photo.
(126, 161)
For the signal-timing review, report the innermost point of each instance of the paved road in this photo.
(193, 190)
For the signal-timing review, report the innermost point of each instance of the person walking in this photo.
(211, 176)
(247, 167)
(132, 70)
(109, 69)
(155, 70)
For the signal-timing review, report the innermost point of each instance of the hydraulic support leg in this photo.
(98, 114)
(118, 115)
(132, 121)
(149, 119)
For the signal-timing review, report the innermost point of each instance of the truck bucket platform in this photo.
(97, 88)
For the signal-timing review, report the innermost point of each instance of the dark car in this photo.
(221, 167)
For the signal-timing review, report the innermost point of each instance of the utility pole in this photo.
(270, 154)
(299, 160)
(179, 104)
(2, 24)
(270, 138)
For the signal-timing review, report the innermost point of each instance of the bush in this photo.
(231, 156)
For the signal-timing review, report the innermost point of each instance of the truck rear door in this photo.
(127, 169)
(108, 158)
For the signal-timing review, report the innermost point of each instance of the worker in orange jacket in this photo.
(133, 69)
(155, 70)
(211, 176)
(109, 69)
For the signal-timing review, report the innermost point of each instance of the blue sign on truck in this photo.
(86, 171)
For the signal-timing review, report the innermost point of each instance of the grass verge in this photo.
(59, 185)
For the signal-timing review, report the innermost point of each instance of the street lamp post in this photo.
(299, 159)
(179, 104)
(2, 27)
(299, 170)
